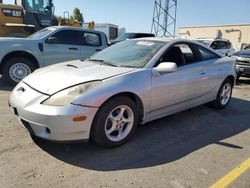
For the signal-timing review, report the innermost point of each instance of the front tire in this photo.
(115, 122)
(224, 94)
(17, 68)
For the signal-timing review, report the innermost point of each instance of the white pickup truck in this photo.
(19, 57)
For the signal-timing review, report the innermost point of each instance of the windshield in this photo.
(130, 53)
(206, 42)
(125, 36)
(42, 33)
(37, 5)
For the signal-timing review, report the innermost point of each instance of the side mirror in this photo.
(165, 67)
(52, 40)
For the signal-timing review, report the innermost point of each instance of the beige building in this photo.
(238, 34)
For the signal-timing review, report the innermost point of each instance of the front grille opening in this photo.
(47, 130)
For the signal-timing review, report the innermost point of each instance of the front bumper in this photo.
(243, 69)
(50, 122)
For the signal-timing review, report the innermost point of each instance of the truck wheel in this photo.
(16, 68)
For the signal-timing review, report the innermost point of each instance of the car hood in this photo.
(52, 79)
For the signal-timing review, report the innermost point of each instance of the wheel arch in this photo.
(134, 97)
(22, 54)
(231, 78)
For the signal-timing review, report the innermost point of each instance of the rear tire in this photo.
(17, 68)
(115, 122)
(224, 94)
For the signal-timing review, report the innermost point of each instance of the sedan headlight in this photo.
(66, 96)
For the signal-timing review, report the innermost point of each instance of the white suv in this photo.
(222, 46)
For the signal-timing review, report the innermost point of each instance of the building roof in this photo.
(225, 25)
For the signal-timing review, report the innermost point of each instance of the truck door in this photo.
(91, 43)
(64, 46)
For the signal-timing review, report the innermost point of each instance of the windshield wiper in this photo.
(103, 62)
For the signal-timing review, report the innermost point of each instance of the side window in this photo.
(68, 37)
(187, 52)
(181, 54)
(214, 45)
(222, 45)
(206, 54)
(229, 45)
(92, 39)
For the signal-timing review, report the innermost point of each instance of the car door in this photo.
(91, 43)
(65, 47)
(210, 68)
(172, 89)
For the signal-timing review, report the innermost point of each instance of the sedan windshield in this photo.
(125, 36)
(42, 33)
(206, 42)
(130, 53)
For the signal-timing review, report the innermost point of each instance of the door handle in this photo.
(73, 48)
(203, 73)
(98, 50)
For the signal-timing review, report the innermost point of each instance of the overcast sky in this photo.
(136, 15)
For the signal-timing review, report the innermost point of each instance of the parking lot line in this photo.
(231, 176)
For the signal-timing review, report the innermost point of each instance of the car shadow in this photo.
(243, 81)
(4, 86)
(159, 142)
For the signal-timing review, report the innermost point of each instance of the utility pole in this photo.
(164, 18)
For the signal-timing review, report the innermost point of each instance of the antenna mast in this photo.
(164, 18)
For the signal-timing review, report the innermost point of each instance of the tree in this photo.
(77, 15)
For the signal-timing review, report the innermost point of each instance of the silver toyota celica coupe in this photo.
(136, 81)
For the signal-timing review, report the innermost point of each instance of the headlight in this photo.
(66, 96)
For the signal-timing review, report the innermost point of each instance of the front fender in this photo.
(12, 48)
(137, 82)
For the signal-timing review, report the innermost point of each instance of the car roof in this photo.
(163, 39)
(73, 28)
(139, 33)
(211, 39)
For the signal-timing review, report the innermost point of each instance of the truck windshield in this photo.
(37, 5)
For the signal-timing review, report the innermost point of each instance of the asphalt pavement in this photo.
(193, 148)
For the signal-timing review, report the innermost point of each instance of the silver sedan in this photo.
(135, 81)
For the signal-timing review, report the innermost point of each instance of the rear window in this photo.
(206, 54)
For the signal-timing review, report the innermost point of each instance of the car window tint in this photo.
(187, 52)
(206, 54)
(229, 45)
(214, 45)
(222, 45)
(92, 39)
(68, 37)
(181, 54)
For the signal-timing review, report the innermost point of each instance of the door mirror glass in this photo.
(52, 40)
(166, 67)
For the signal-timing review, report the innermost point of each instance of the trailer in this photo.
(110, 30)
